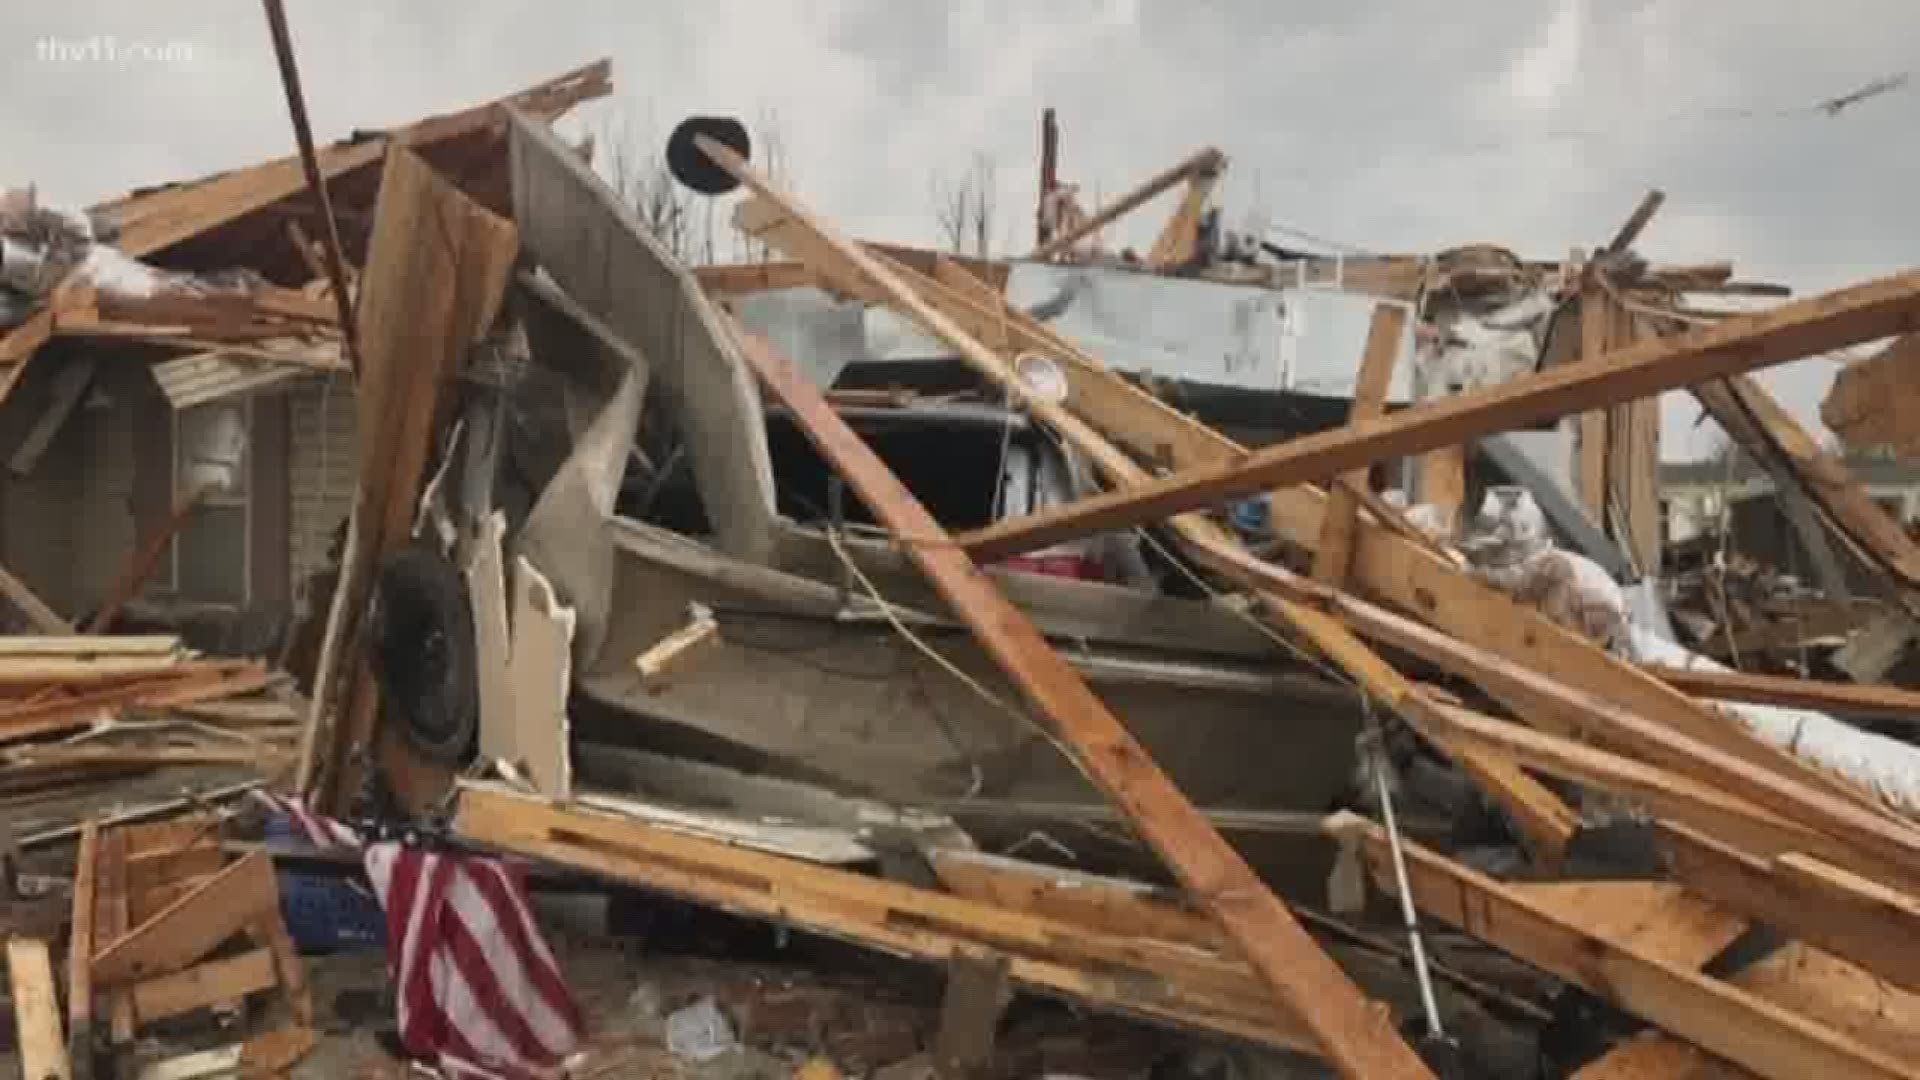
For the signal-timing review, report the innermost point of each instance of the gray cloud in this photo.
(1389, 124)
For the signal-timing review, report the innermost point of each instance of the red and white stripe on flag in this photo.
(478, 991)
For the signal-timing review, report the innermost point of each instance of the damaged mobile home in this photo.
(1271, 649)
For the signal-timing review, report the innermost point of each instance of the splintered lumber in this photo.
(1771, 1041)
(1778, 442)
(191, 927)
(179, 685)
(1201, 163)
(1864, 921)
(1359, 1038)
(36, 1011)
(44, 619)
(1179, 238)
(89, 645)
(1369, 402)
(949, 313)
(436, 270)
(1878, 843)
(1872, 403)
(1636, 222)
(655, 664)
(1847, 699)
(1837, 319)
(1822, 989)
(1171, 983)
(204, 986)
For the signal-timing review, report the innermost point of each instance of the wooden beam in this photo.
(203, 985)
(1179, 239)
(69, 386)
(1335, 556)
(1883, 846)
(80, 946)
(1844, 317)
(1866, 922)
(142, 562)
(1780, 444)
(1849, 699)
(1179, 984)
(1596, 332)
(1871, 401)
(1201, 163)
(1771, 1041)
(958, 318)
(36, 1011)
(1357, 1037)
(1636, 222)
(45, 620)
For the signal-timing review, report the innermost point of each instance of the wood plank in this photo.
(1335, 556)
(1442, 483)
(1844, 317)
(1774, 1042)
(1668, 794)
(1179, 239)
(1201, 163)
(89, 645)
(1866, 922)
(656, 663)
(1359, 1038)
(1870, 401)
(81, 941)
(36, 1011)
(1878, 844)
(203, 986)
(1046, 954)
(112, 916)
(1544, 821)
(1596, 332)
(1788, 447)
(1636, 223)
(43, 618)
(1111, 905)
(1850, 699)
(192, 926)
(1656, 918)
(421, 306)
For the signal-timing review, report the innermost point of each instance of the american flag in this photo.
(479, 994)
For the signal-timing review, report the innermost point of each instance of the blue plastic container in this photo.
(326, 913)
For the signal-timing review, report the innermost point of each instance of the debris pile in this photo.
(945, 666)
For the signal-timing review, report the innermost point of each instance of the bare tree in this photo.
(963, 209)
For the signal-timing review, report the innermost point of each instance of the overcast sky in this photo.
(1387, 125)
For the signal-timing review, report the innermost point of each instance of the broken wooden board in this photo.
(1872, 402)
(36, 1011)
(1847, 699)
(224, 905)
(950, 313)
(44, 618)
(1820, 324)
(1335, 555)
(1771, 1041)
(422, 304)
(1357, 1037)
(1200, 163)
(1175, 985)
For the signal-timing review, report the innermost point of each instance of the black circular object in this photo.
(691, 166)
(423, 652)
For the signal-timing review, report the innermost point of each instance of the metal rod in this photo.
(1408, 913)
(303, 135)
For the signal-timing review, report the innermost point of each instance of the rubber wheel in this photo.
(424, 654)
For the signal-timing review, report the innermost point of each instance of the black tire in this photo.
(423, 653)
